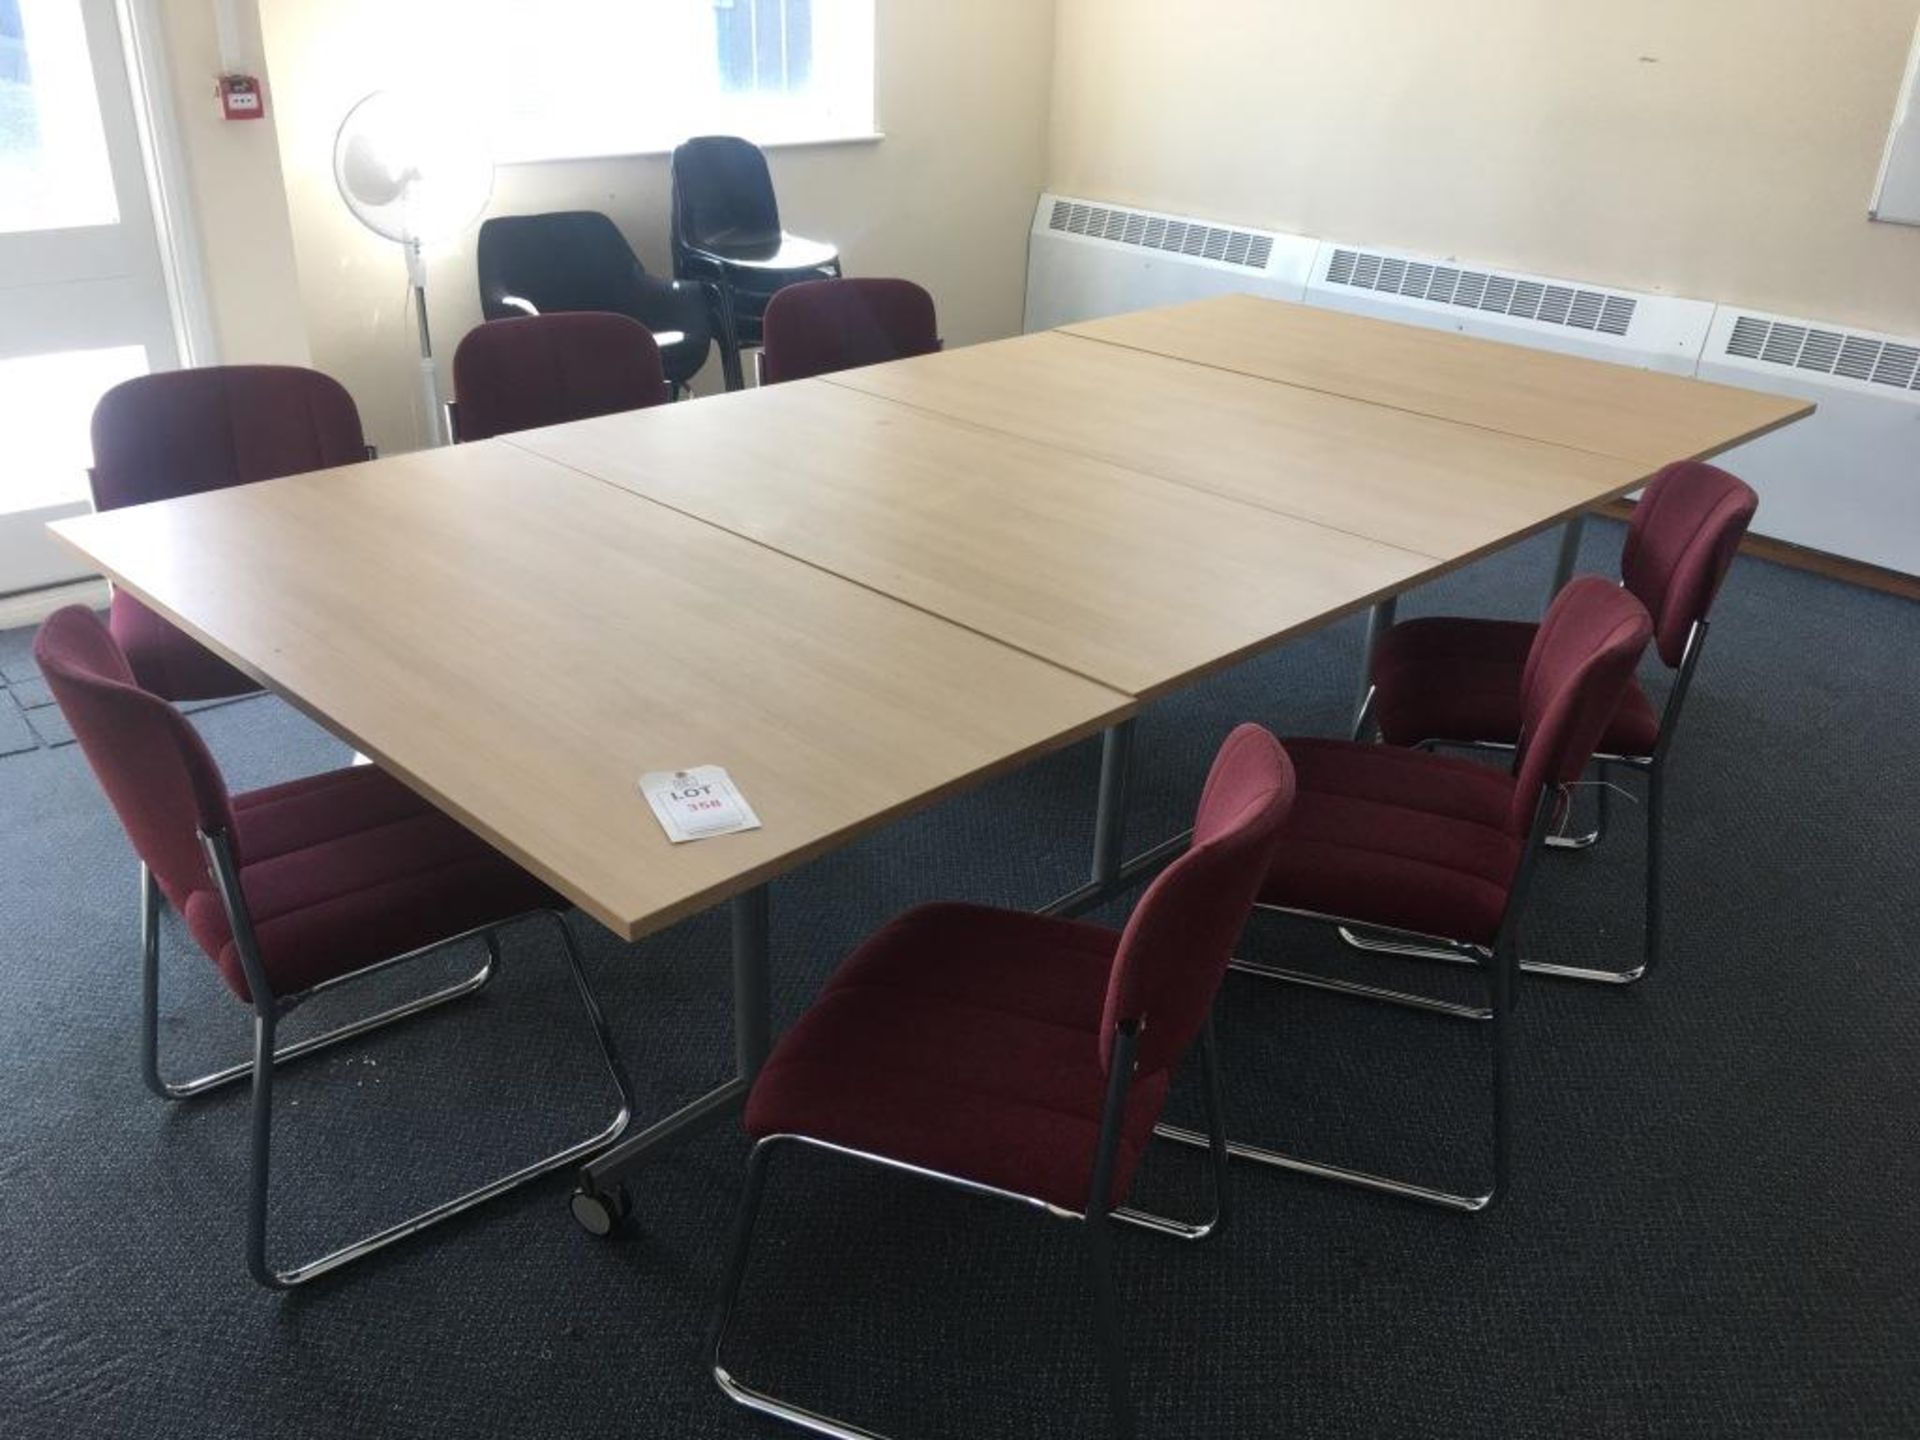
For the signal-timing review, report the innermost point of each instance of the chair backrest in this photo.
(538, 370)
(565, 260)
(1680, 541)
(1181, 935)
(184, 431)
(723, 195)
(156, 770)
(1582, 658)
(818, 326)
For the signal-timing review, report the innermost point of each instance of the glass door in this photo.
(83, 297)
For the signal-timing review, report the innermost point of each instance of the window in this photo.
(765, 46)
(46, 405)
(54, 173)
(570, 78)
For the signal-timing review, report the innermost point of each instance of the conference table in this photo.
(868, 591)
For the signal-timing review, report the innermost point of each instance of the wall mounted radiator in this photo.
(1846, 480)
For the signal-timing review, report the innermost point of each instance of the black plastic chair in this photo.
(578, 260)
(727, 235)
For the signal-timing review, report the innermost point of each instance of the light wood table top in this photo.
(1128, 579)
(1441, 489)
(519, 643)
(863, 593)
(1644, 416)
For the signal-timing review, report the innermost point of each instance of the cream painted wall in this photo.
(1721, 149)
(239, 202)
(945, 198)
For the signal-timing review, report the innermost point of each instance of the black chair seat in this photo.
(787, 253)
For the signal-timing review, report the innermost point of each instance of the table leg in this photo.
(597, 1204)
(1109, 823)
(1110, 816)
(1379, 621)
(1570, 534)
(752, 983)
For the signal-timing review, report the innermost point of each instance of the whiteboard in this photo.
(1896, 197)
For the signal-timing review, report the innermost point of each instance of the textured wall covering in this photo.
(1722, 149)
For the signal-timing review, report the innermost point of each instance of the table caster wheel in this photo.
(600, 1212)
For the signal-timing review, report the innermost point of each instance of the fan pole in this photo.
(429, 378)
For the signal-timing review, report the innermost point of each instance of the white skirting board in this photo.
(32, 606)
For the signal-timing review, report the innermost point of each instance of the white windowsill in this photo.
(869, 137)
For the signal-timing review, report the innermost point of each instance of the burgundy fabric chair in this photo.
(290, 891)
(539, 370)
(1454, 681)
(1441, 849)
(820, 326)
(1025, 1057)
(186, 431)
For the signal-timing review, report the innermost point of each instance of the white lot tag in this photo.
(697, 804)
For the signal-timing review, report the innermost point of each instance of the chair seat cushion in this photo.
(166, 660)
(963, 1040)
(1398, 838)
(790, 254)
(349, 868)
(1446, 678)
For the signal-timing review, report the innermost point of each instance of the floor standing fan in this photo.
(412, 177)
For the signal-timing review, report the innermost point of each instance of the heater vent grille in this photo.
(1893, 363)
(1246, 248)
(1570, 306)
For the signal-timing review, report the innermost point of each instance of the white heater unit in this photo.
(1846, 479)
(1087, 259)
(1657, 332)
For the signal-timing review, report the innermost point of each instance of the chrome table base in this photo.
(600, 1202)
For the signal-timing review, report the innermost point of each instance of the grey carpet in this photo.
(1712, 1229)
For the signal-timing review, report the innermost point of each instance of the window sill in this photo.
(804, 142)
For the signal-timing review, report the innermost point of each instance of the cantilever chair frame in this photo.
(1095, 1217)
(270, 1009)
(1653, 766)
(1496, 960)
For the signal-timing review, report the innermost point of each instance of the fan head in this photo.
(409, 172)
